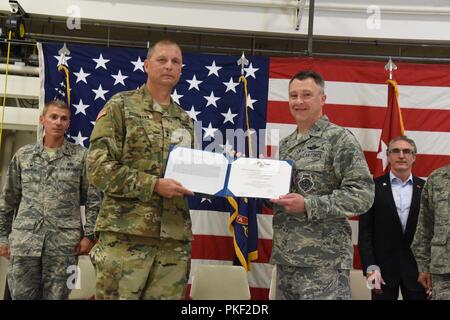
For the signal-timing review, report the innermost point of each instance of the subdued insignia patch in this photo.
(101, 114)
(305, 183)
(313, 147)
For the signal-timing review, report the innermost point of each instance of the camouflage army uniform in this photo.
(431, 245)
(137, 227)
(45, 191)
(313, 251)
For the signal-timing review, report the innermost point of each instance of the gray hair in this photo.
(402, 138)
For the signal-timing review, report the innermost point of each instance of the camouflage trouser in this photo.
(31, 278)
(297, 283)
(131, 267)
(441, 286)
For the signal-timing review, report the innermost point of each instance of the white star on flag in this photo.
(231, 85)
(229, 116)
(193, 114)
(213, 69)
(250, 71)
(211, 99)
(176, 97)
(80, 107)
(382, 155)
(138, 64)
(119, 78)
(250, 102)
(194, 83)
(100, 93)
(101, 62)
(79, 139)
(81, 76)
(209, 131)
(62, 60)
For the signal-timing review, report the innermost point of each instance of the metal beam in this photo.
(21, 119)
(21, 86)
(310, 27)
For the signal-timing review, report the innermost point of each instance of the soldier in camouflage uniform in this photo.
(144, 224)
(46, 184)
(312, 243)
(431, 245)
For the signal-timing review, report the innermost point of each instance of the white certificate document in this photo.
(206, 172)
(197, 170)
(259, 178)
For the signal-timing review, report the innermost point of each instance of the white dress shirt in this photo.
(402, 192)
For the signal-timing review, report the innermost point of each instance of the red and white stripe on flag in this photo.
(356, 99)
(392, 127)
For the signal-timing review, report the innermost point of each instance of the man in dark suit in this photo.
(387, 230)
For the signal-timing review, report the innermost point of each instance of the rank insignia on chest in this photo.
(305, 183)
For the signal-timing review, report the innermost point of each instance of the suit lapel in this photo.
(415, 203)
(387, 190)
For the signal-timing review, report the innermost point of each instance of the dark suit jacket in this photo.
(381, 240)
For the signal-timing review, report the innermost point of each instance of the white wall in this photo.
(388, 19)
(12, 141)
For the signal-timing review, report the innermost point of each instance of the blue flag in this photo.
(243, 223)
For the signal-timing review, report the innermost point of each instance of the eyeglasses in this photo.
(404, 151)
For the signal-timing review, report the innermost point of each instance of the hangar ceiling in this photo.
(39, 28)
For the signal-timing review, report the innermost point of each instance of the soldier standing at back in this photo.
(431, 245)
(144, 223)
(45, 186)
(312, 244)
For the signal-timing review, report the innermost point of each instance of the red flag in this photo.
(392, 127)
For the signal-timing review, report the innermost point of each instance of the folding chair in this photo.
(219, 282)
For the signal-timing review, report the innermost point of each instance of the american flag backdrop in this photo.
(209, 90)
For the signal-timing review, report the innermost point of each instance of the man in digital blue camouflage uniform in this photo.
(312, 244)
(431, 245)
(40, 219)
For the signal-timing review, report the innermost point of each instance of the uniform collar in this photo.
(173, 110)
(64, 149)
(316, 130)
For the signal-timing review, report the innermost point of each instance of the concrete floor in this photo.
(87, 281)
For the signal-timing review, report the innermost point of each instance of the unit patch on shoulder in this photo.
(102, 113)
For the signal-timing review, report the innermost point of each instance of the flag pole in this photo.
(393, 122)
(240, 222)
